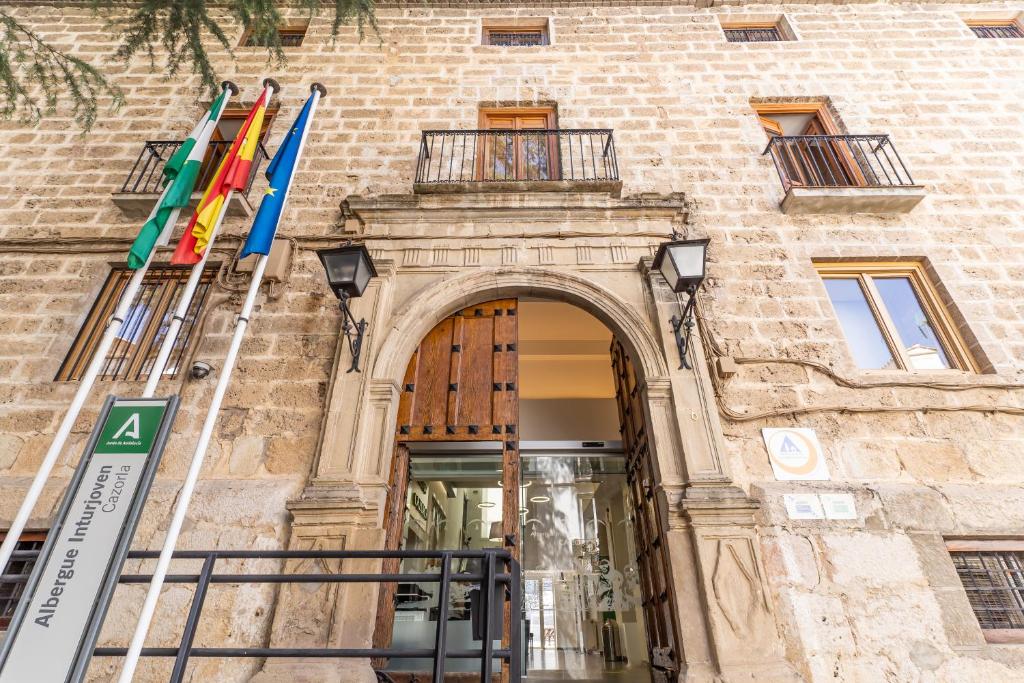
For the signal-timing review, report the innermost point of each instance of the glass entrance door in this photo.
(582, 594)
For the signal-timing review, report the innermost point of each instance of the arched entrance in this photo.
(483, 419)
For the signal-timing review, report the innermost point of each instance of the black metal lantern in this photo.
(349, 269)
(683, 264)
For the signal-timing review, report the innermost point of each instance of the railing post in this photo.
(189, 635)
(441, 637)
(515, 640)
(487, 593)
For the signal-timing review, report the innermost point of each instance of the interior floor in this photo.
(560, 665)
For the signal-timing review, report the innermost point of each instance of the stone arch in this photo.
(437, 302)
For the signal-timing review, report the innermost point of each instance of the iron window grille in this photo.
(994, 582)
(290, 37)
(22, 561)
(767, 34)
(142, 333)
(509, 38)
(1004, 29)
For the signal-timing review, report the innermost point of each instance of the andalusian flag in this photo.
(279, 173)
(232, 174)
(180, 174)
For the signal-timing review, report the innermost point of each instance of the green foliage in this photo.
(33, 75)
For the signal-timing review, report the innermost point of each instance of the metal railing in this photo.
(998, 31)
(517, 38)
(838, 161)
(146, 177)
(463, 156)
(753, 35)
(497, 575)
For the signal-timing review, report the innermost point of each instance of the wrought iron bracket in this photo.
(353, 332)
(682, 327)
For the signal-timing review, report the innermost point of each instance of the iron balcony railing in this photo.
(489, 156)
(998, 31)
(838, 161)
(146, 177)
(753, 35)
(495, 571)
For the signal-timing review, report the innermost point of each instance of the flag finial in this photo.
(271, 83)
(318, 86)
(229, 85)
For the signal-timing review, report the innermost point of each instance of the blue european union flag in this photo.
(279, 173)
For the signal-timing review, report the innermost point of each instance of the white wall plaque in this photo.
(795, 454)
(803, 506)
(838, 505)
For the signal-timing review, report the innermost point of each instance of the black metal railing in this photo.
(837, 161)
(487, 156)
(998, 31)
(517, 38)
(752, 35)
(146, 175)
(496, 573)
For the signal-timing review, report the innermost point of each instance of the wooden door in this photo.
(517, 154)
(830, 162)
(649, 523)
(462, 384)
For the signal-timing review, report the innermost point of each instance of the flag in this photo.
(232, 174)
(179, 179)
(279, 173)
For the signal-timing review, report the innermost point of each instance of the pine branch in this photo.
(31, 70)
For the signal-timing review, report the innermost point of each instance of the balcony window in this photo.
(517, 149)
(818, 164)
(141, 334)
(516, 32)
(893, 318)
(144, 182)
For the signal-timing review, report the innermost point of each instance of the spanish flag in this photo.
(232, 175)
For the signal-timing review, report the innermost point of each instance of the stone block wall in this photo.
(926, 455)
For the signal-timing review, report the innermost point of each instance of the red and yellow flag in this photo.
(232, 174)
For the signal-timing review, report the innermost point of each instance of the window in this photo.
(527, 152)
(752, 32)
(291, 35)
(992, 574)
(140, 335)
(516, 33)
(10, 591)
(893, 318)
(987, 28)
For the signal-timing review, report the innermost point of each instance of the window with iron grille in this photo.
(530, 34)
(10, 591)
(140, 335)
(291, 36)
(997, 29)
(752, 34)
(994, 582)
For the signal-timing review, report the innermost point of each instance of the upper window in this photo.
(291, 35)
(988, 28)
(893, 318)
(10, 591)
(516, 32)
(753, 32)
(140, 335)
(992, 573)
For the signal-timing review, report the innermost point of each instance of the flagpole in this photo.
(192, 477)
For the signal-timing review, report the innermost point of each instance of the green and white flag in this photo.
(180, 174)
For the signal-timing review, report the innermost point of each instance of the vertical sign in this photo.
(54, 630)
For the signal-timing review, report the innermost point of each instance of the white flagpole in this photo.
(156, 373)
(192, 477)
(85, 385)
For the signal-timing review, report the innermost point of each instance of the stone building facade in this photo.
(302, 453)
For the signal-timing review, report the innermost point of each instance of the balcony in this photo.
(842, 174)
(560, 160)
(143, 185)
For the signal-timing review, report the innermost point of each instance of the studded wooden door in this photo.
(461, 385)
(649, 522)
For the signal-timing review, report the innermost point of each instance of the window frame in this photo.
(1014, 24)
(728, 26)
(288, 29)
(91, 331)
(939, 318)
(977, 546)
(534, 25)
(33, 536)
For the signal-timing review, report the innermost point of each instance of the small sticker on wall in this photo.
(838, 505)
(795, 454)
(803, 506)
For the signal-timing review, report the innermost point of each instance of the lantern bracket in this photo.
(682, 326)
(352, 330)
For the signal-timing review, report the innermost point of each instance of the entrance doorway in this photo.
(517, 430)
